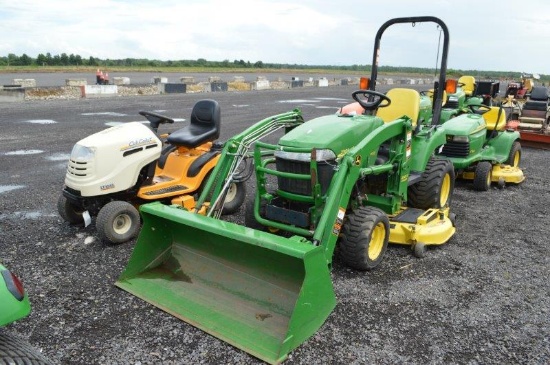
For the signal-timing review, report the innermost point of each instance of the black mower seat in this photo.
(538, 100)
(204, 126)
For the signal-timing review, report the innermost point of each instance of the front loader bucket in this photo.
(262, 293)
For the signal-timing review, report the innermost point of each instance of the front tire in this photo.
(482, 176)
(15, 350)
(68, 211)
(365, 236)
(514, 157)
(435, 189)
(117, 222)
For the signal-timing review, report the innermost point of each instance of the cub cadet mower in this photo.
(357, 180)
(113, 171)
(15, 305)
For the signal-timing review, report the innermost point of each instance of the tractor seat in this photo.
(204, 126)
(494, 120)
(538, 100)
(469, 84)
(403, 102)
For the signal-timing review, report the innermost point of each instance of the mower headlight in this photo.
(82, 153)
(322, 155)
(463, 139)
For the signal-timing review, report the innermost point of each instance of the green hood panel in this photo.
(334, 132)
(465, 125)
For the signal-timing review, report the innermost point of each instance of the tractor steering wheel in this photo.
(366, 102)
(479, 109)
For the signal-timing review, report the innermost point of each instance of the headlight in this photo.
(82, 153)
(322, 155)
(460, 138)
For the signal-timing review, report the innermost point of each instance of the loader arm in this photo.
(235, 151)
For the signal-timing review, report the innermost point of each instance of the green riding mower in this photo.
(356, 181)
(482, 149)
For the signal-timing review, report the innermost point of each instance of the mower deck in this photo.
(431, 227)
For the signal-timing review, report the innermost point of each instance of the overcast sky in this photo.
(484, 35)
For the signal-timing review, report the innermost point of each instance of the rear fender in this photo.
(502, 144)
(423, 146)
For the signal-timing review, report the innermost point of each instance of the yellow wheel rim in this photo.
(489, 178)
(445, 190)
(517, 157)
(377, 241)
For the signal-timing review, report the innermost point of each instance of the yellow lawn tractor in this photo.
(112, 172)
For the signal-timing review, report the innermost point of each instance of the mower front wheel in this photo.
(68, 211)
(482, 176)
(117, 222)
(419, 250)
(365, 236)
(514, 157)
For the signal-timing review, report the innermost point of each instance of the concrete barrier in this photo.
(171, 88)
(322, 82)
(98, 90)
(261, 83)
(218, 86)
(75, 82)
(121, 80)
(25, 82)
(159, 80)
(12, 94)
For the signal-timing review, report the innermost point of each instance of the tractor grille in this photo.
(451, 104)
(303, 187)
(456, 149)
(79, 169)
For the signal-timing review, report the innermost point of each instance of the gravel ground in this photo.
(483, 298)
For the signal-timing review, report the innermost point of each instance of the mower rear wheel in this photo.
(68, 211)
(117, 222)
(482, 176)
(235, 197)
(365, 236)
(435, 189)
(514, 157)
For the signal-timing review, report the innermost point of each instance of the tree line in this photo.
(65, 59)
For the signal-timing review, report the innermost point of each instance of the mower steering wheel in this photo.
(479, 109)
(366, 102)
(156, 118)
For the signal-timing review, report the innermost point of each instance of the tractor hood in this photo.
(464, 125)
(333, 132)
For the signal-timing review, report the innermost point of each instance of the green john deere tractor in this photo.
(356, 181)
(15, 305)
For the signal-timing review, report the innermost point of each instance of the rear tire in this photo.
(514, 157)
(365, 236)
(15, 350)
(234, 198)
(117, 222)
(482, 176)
(435, 189)
(68, 211)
